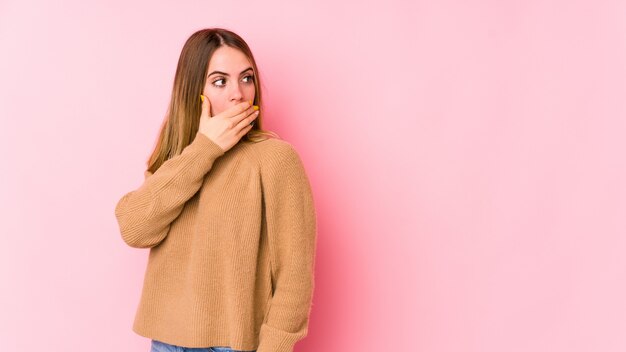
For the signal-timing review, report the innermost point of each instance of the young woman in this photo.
(227, 212)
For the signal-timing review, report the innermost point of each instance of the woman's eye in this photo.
(249, 77)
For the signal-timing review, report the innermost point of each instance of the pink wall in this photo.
(467, 159)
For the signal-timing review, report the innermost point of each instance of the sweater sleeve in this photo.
(291, 228)
(144, 215)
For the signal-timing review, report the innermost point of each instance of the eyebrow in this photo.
(226, 74)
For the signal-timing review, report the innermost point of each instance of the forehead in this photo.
(228, 59)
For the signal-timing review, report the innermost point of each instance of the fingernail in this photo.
(255, 107)
(202, 97)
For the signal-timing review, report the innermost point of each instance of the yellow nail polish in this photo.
(255, 107)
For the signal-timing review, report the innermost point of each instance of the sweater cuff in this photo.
(201, 141)
(275, 340)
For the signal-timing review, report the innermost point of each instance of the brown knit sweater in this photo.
(232, 238)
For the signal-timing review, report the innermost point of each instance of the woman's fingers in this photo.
(227, 127)
(235, 111)
(247, 121)
(206, 106)
(243, 115)
(240, 116)
(244, 131)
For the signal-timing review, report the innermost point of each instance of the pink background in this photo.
(467, 160)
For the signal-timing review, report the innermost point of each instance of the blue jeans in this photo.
(159, 346)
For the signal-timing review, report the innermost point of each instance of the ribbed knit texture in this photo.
(232, 239)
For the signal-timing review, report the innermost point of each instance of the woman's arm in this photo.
(144, 215)
(291, 228)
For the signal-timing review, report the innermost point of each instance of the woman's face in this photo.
(230, 79)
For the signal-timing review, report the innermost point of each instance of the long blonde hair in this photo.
(183, 115)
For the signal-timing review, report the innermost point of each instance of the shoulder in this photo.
(273, 153)
(280, 165)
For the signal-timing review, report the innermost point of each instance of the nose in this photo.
(236, 95)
